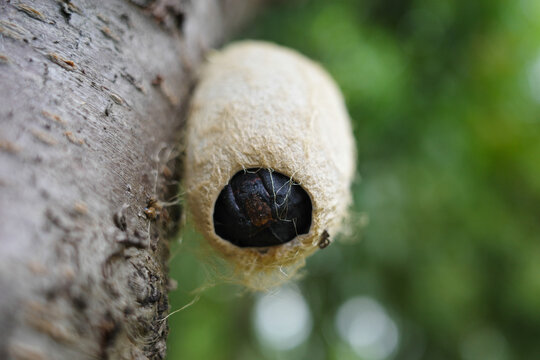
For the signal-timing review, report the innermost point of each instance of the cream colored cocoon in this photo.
(259, 105)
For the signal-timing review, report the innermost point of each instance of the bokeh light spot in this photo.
(366, 327)
(534, 79)
(282, 319)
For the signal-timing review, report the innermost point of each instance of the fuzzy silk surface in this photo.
(259, 105)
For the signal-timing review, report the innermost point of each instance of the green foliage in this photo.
(444, 96)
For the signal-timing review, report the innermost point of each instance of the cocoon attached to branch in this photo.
(270, 159)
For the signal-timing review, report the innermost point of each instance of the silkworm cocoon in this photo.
(262, 106)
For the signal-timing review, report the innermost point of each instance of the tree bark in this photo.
(92, 97)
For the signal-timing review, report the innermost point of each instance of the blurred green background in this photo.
(445, 100)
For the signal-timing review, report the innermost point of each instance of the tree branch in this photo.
(92, 98)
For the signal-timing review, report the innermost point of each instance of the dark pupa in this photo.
(260, 208)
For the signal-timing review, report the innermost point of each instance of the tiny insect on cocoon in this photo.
(269, 161)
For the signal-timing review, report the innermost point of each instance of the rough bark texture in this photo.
(91, 101)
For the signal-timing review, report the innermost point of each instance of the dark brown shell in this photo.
(260, 208)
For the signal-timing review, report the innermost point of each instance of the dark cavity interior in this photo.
(260, 208)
